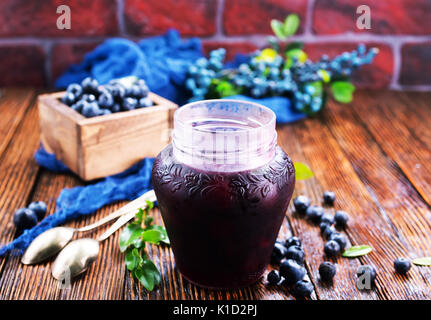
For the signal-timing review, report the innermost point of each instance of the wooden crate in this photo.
(105, 145)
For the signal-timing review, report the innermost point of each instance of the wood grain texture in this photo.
(374, 154)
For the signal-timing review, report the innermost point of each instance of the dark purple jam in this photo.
(222, 225)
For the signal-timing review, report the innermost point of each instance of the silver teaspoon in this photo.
(77, 256)
(52, 241)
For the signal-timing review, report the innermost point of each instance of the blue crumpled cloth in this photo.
(162, 61)
(85, 200)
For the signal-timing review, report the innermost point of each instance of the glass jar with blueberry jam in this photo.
(223, 187)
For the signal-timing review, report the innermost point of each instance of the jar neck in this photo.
(224, 135)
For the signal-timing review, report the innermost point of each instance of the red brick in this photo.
(387, 17)
(377, 75)
(39, 18)
(22, 65)
(416, 64)
(189, 17)
(254, 16)
(232, 49)
(65, 54)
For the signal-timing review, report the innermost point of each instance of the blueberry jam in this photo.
(223, 213)
(222, 226)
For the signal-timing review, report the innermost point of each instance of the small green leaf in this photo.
(148, 221)
(342, 91)
(318, 88)
(302, 171)
(291, 24)
(425, 261)
(278, 29)
(226, 89)
(300, 55)
(130, 235)
(163, 234)
(324, 75)
(357, 251)
(133, 258)
(139, 215)
(148, 274)
(152, 236)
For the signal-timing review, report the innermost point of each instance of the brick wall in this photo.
(34, 52)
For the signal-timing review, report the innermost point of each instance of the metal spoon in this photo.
(52, 241)
(77, 256)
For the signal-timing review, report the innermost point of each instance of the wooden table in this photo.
(374, 153)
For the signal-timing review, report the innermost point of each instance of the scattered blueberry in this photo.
(24, 218)
(291, 271)
(39, 207)
(88, 97)
(106, 100)
(314, 213)
(340, 239)
(292, 241)
(75, 89)
(367, 269)
(302, 289)
(129, 103)
(278, 253)
(273, 277)
(327, 271)
(331, 248)
(90, 110)
(328, 232)
(327, 218)
(89, 85)
(295, 253)
(341, 218)
(79, 106)
(116, 108)
(329, 198)
(301, 204)
(402, 265)
(145, 102)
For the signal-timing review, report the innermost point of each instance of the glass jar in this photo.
(223, 187)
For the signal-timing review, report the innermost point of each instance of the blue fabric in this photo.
(84, 200)
(161, 61)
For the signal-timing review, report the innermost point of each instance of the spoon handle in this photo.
(131, 206)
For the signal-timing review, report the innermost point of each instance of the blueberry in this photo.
(328, 232)
(302, 289)
(402, 265)
(75, 89)
(327, 218)
(106, 100)
(129, 103)
(295, 253)
(68, 98)
(136, 91)
(301, 204)
(116, 108)
(327, 271)
(39, 207)
(293, 241)
(91, 110)
(367, 269)
(341, 218)
(314, 213)
(331, 248)
(118, 92)
(329, 197)
(24, 218)
(323, 226)
(90, 85)
(88, 97)
(145, 102)
(291, 271)
(273, 277)
(278, 253)
(340, 239)
(79, 105)
(104, 112)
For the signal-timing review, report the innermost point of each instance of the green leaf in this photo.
(148, 221)
(133, 258)
(163, 234)
(324, 75)
(148, 274)
(278, 29)
(226, 89)
(294, 45)
(425, 261)
(139, 215)
(302, 171)
(300, 55)
(131, 235)
(291, 24)
(152, 236)
(342, 91)
(318, 87)
(357, 251)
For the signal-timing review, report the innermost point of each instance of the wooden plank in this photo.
(13, 105)
(388, 128)
(291, 139)
(398, 202)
